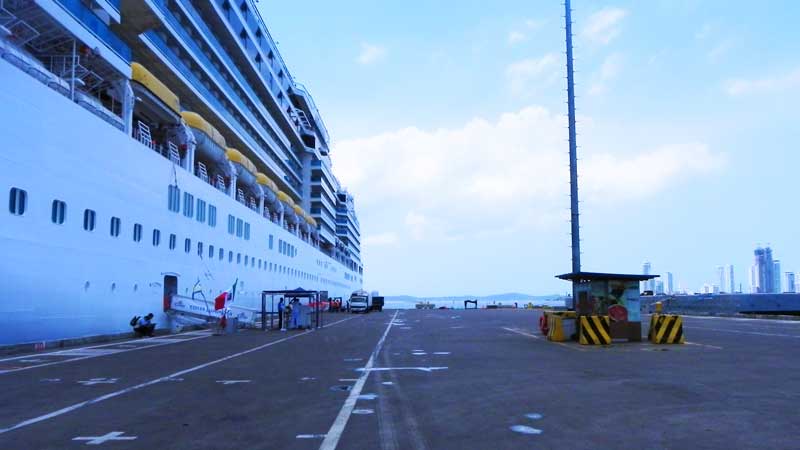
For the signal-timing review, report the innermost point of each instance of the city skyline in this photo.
(765, 276)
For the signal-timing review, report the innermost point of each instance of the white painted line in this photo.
(363, 411)
(310, 436)
(97, 440)
(441, 353)
(93, 381)
(335, 433)
(742, 319)
(87, 353)
(703, 345)
(178, 374)
(385, 369)
(387, 383)
(571, 347)
(227, 382)
(348, 379)
(757, 333)
(533, 416)
(368, 396)
(524, 429)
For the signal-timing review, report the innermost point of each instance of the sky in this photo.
(448, 125)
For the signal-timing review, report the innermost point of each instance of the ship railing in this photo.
(219, 183)
(202, 172)
(174, 154)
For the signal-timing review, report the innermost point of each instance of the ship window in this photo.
(230, 256)
(89, 219)
(247, 231)
(173, 198)
(137, 232)
(239, 226)
(210, 251)
(259, 263)
(17, 199)
(156, 237)
(115, 226)
(238, 258)
(252, 262)
(221, 254)
(245, 260)
(172, 241)
(188, 204)
(201, 211)
(187, 245)
(231, 224)
(212, 215)
(270, 242)
(200, 249)
(59, 212)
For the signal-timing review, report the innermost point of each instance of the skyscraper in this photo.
(764, 269)
(754, 279)
(730, 282)
(790, 287)
(776, 276)
(721, 279)
(648, 285)
(670, 289)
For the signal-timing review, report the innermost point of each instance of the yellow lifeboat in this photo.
(270, 190)
(154, 85)
(288, 208)
(245, 169)
(209, 143)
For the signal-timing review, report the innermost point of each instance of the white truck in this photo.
(360, 302)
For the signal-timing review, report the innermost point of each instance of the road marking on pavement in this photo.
(796, 336)
(82, 353)
(50, 380)
(110, 395)
(310, 436)
(387, 383)
(353, 359)
(524, 429)
(348, 379)
(31, 360)
(384, 369)
(335, 433)
(703, 345)
(227, 382)
(419, 353)
(368, 396)
(577, 349)
(112, 436)
(307, 379)
(533, 416)
(93, 381)
(441, 353)
(363, 411)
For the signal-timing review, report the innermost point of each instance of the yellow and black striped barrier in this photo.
(595, 330)
(665, 329)
(556, 331)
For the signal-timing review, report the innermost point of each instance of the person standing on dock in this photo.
(280, 314)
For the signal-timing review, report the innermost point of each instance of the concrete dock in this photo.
(439, 379)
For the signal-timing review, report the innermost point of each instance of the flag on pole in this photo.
(225, 297)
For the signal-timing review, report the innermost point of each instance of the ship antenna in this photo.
(573, 158)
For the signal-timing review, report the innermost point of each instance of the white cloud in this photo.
(720, 50)
(515, 37)
(525, 75)
(608, 71)
(506, 175)
(370, 54)
(769, 84)
(380, 239)
(603, 26)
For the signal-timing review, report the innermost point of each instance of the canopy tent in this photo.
(312, 297)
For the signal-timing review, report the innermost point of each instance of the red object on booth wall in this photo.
(618, 313)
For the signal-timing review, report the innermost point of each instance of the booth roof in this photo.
(596, 276)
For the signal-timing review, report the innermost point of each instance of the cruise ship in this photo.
(155, 151)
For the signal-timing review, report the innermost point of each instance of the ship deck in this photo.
(436, 379)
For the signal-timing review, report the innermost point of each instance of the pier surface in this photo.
(436, 379)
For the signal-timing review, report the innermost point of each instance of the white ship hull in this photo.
(61, 281)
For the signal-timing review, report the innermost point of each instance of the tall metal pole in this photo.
(573, 158)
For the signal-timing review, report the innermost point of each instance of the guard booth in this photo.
(609, 294)
(313, 300)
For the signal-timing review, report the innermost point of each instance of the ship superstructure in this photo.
(157, 148)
